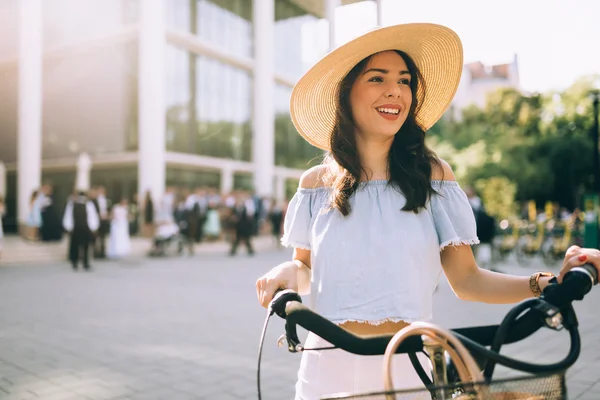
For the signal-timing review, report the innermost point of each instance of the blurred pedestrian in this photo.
(119, 242)
(183, 218)
(276, 215)
(102, 205)
(148, 224)
(134, 216)
(243, 217)
(81, 221)
(51, 229)
(2, 211)
(486, 230)
(34, 219)
(212, 225)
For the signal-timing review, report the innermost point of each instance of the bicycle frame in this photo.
(554, 310)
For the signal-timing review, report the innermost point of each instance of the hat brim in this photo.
(435, 49)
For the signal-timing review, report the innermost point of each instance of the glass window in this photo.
(90, 101)
(62, 183)
(226, 23)
(131, 11)
(190, 179)
(9, 219)
(9, 113)
(119, 182)
(293, 38)
(208, 106)
(70, 21)
(89, 93)
(178, 14)
(291, 150)
(9, 30)
(243, 181)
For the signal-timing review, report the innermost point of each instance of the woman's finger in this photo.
(260, 289)
(570, 263)
(269, 292)
(573, 250)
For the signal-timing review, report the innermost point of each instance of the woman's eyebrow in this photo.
(384, 71)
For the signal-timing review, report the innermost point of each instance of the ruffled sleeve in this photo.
(297, 223)
(452, 215)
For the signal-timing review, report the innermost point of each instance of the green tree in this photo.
(540, 142)
(498, 195)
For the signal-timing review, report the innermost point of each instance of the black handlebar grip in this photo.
(575, 285)
(590, 270)
(280, 300)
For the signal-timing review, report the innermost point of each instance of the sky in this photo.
(556, 41)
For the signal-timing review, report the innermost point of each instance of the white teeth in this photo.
(388, 110)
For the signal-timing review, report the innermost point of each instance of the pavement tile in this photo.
(188, 328)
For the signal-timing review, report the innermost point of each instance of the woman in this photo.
(148, 226)
(375, 225)
(34, 219)
(212, 225)
(134, 216)
(276, 214)
(119, 242)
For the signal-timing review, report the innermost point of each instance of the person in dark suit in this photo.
(80, 220)
(102, 206)
(243, 216)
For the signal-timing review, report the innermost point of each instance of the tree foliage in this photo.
(531, 146)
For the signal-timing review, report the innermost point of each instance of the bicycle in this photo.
(456, 378)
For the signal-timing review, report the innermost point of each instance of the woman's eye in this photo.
(376, 79)
(404, 81)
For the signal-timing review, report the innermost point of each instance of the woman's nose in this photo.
(393, 91)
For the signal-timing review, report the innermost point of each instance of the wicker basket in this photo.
(550, 387)
(472, 386)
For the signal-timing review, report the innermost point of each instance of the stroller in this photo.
(167, 240)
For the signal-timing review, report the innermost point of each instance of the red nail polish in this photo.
(582, 257)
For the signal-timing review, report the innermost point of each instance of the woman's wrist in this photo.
(303, 274)
(300, 264)
(539, 281)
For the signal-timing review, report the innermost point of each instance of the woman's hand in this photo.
(283, 276)
(576, 256)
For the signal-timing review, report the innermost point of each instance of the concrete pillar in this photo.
(263, 118)
(29, 133)
(151, 134)
(2, 180)
(84, 167)
(330, 6)
(379, 12)
(226, 181)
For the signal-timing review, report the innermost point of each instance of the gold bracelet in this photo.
(534, 282)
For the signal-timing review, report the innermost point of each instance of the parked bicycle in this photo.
(462, 364)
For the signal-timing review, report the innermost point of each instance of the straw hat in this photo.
(435, 49)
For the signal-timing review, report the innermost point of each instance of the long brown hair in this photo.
(410, 160)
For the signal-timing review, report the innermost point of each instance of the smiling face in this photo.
(381, 96)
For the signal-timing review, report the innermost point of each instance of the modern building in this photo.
(154, 93)
(479, 80)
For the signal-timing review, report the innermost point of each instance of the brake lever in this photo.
(277, 305)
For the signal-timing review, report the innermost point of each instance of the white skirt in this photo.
(328, 372)
(119, 243)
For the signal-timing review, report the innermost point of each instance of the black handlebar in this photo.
(288, 305)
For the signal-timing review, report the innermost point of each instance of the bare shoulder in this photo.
(442, 171)
(314, 177)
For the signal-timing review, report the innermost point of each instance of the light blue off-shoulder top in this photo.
(379, 263)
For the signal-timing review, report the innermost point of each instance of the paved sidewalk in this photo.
(188, 328)
(18, 251)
